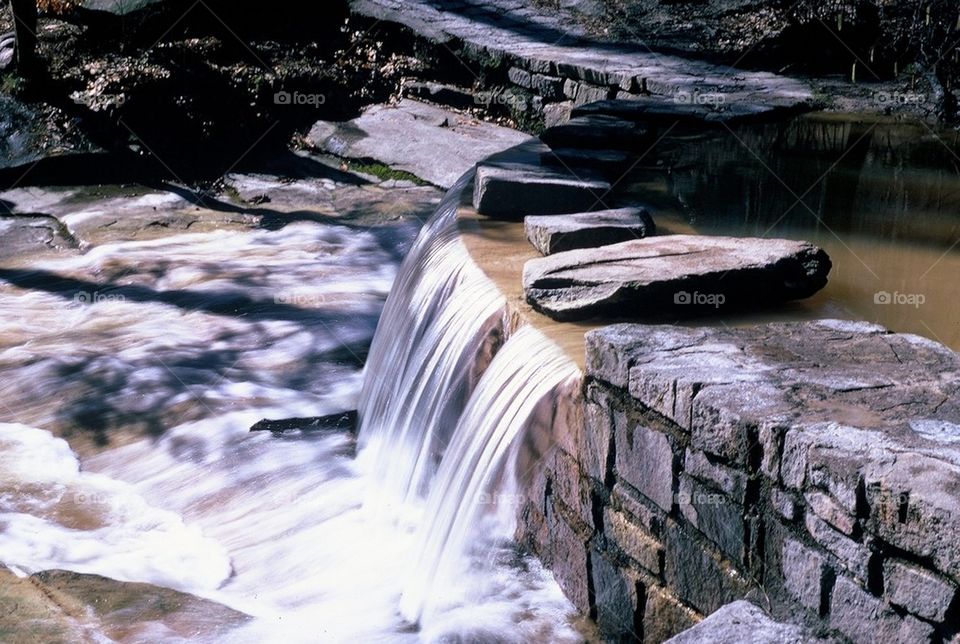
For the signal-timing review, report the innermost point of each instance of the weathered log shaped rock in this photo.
(556, 233)
(514, 190)
(739, 622)
(677, 274)
(598, 132)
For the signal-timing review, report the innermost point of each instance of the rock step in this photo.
(605, 161)
(598, 132)
(513, 191)
(664, 110)
(449, 95)
(679, 275)
(557, 233)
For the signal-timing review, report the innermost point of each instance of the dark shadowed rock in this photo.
(677, 274)
(671, 110)
(513, 191)
(742, 623)
(597, 132)
(607, 161)
(555, 233)
(342, 422)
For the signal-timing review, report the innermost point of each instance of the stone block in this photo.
(615, 600)
(740, 622)
(917, 590)
(803, 574)
(514, 191)
(715, 515)
(853, 556)
(556, 233)
(698, 576)
(664, 616)
(569, 561)
(865, 619)
(634, 540)
(644, 459)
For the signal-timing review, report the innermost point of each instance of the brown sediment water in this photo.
(882, 197)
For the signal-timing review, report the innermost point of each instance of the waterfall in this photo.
(443, 321)
(514, 393)
(444, 407)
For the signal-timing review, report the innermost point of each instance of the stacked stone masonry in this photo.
(813, 468)
(553, 70)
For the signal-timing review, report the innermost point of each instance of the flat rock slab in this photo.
(600, 132)
(742, 623)
(680, 275)
(514, 191)
(673, 110)
(556, 233)
(437, 145)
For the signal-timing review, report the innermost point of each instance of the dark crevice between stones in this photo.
(751, 503)
(827, 581)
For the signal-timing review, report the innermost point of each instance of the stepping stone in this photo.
(597, 132)
(556, 233)
(605, 161)
(675, 275)
(513, 191)
(667, 110)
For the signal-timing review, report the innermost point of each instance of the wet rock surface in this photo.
(63, 606)
(556, 233)
(675, 273)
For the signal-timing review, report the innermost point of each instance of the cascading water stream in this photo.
(441, 324)
(520, 380)
(281, 527)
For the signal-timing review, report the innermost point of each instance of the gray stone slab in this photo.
(433, 143)
(514, 191)
(742, 623)
(675, 274)
(556, 233)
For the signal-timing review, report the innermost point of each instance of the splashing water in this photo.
(296, 530)
(440, 326)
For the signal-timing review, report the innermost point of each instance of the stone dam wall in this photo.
(812, 467)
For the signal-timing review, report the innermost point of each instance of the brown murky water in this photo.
(881, 197)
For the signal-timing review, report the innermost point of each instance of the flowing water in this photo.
(189, 340)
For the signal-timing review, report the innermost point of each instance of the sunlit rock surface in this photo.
(685, 274)
(555, 233)
(432, 143)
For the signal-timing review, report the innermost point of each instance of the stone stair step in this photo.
(556, 233)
